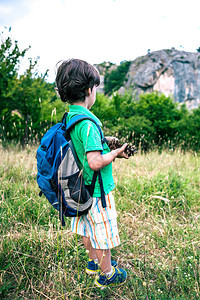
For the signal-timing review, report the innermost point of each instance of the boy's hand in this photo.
(114, 144)
(121, 153)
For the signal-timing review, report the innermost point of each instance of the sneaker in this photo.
(93, 267)
(117, 278)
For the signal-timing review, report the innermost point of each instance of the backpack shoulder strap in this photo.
(74, 120)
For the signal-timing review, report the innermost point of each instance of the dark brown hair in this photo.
(74, 78)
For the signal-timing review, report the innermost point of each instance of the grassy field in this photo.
(158, 203)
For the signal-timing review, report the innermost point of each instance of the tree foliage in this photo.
(26, 101)
(162, 112)
(115, 79)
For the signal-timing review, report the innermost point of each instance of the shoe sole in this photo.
(102, 287)
(90, 272)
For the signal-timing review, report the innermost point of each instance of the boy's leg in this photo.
(103, 256)
(88, 246)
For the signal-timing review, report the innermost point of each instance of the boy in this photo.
(76, 82)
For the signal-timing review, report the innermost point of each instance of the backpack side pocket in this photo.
(76, 194)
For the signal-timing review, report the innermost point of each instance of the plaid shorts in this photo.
(100, 224)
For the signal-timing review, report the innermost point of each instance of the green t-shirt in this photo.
(86, 137)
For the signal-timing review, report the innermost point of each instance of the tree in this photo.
(10, 56)
(115, 79)
(26, 101)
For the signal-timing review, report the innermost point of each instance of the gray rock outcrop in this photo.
(171, 72)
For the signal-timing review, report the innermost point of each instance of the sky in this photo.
(100, 30)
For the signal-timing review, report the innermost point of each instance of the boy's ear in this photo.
(57, 93)
(88, 92)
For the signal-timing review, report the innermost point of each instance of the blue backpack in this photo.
(59, 177)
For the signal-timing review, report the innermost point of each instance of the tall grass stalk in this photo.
(158, 203)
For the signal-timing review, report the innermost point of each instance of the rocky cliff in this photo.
(169, 71)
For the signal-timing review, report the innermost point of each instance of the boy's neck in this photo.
(84, 104)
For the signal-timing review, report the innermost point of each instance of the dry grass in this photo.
(157, 198)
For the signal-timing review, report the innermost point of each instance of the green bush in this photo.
(153, 120)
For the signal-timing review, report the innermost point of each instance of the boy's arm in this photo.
(97, 161)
